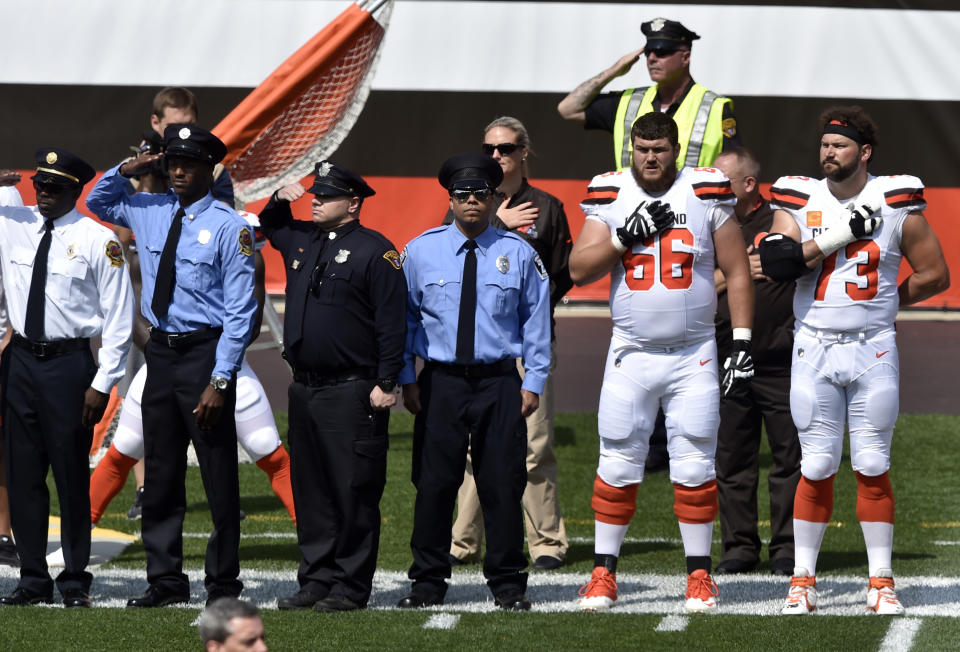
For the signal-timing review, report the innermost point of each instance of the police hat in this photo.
(666, 34)
(193, 142)
(334, 180)
(60, 166)
(470, 171)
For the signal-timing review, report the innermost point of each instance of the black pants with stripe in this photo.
(765, 400)
(43, 432)
(175, 380)
(338, 469)
(483, 413)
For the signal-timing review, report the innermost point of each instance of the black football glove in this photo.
(738, 366)
(647, 220)
(863, 221)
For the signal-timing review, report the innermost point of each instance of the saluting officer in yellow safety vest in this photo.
(705, 119)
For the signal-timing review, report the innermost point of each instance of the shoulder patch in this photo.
(393, 258)
(541, 270)
(114, 253)
(729, 127)
(246, 241)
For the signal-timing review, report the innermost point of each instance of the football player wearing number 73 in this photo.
(842, 238)
(658, 232)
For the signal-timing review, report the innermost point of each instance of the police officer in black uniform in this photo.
(344, 331)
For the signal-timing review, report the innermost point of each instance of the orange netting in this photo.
(304, 109)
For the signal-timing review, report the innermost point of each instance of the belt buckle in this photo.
(39, 348)
(467, 371)
(172, 339)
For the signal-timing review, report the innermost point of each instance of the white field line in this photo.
(672, 623)
(442, 621)
(900, 635)
(752, 594)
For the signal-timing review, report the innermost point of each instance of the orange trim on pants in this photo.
(613, 505)
(875, 498)
(814, 500)
(695, 504)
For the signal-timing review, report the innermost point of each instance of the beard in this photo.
(840, 172)
(657, 184)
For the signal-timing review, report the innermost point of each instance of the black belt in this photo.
(325, 379)
(51, 348)
(176, 340)
(482, 370)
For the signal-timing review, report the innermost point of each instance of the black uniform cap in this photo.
(470, 171)
(60, 166)
(334, 180)
(666, 34)
(193, 142)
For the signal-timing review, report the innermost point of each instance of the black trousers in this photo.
(338, 469)
(765, 399)
(485, 415)
(175, 380)
(41, 419)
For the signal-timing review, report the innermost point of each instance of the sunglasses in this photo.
(662, 53)
(482, 194)
(506, 149)
(49, 188)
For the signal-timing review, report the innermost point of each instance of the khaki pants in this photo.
(546, 534)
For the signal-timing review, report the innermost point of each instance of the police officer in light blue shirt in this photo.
(196, 260)
(478, 299)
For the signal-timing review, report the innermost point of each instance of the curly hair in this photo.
(855, 117)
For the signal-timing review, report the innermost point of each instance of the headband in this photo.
(843, 128)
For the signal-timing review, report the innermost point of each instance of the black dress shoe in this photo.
(336, 603)
(512, 602)
(782, 567)
(22, 597)
(8, 552)
(156, 596)
(417, 600)
(735, 566)
(73, 598)
(302, 599)
(546, 563)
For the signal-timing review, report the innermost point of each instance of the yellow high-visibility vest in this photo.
(699, 121)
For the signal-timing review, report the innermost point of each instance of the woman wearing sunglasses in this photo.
(540, 219)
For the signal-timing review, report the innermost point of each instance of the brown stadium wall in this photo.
(408, 128)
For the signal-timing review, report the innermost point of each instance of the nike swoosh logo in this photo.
(703, 362)
(880, 355)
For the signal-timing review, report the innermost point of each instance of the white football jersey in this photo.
(662, 291)
(854, 288)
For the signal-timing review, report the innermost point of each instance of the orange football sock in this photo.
(107, 481)
(874, 498)
(695, 504)
(613, 505)
(277, 467)
(814, 500)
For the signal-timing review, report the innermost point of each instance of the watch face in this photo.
(219, 384)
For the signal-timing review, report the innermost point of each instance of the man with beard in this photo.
(851, 230)
(659, 232)
(66, 282)
(196, 261)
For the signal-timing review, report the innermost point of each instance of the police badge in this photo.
(342, 256)
(503, 264)
(324, 169)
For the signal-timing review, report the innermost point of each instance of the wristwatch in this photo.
(219, 383)
(387, 384)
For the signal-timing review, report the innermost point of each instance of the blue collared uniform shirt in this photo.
(513, 302)
(214, 264)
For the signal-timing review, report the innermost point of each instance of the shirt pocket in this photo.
(333, 285)
(440, 295)
(199, 270)
(500, 295)
(65, 279)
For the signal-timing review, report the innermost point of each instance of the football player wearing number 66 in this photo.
(659, 231)
(842, 238)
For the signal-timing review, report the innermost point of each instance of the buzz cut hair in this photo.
(214, 622)
(746, 158)
(654, 126)
(176, 97)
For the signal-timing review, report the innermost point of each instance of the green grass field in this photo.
(926, 558)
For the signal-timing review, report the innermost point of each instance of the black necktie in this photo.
(36, 300)
(166, 270)
(468, 305)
